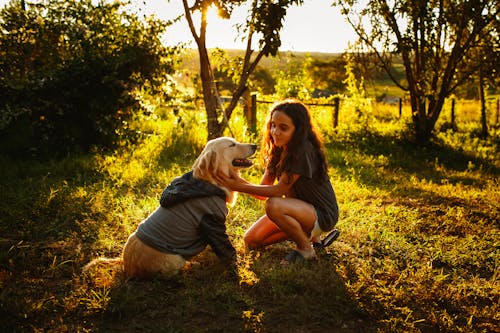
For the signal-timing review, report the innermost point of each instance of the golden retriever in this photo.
(191, 215)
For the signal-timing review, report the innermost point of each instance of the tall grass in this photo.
(418, 252)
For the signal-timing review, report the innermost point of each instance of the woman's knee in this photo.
(251, 241)
(274, 207)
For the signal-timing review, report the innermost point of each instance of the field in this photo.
(419, 249)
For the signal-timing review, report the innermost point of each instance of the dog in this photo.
(191, 215)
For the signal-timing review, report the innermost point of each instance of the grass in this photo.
(419, 249)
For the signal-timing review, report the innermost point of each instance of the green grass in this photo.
(419, 247)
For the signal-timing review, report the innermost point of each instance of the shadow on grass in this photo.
(48, 215)
(304, 297)
(309, 297)
(403, 156)
(201, 299)
(45, 201)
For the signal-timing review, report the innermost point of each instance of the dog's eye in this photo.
(232, 144)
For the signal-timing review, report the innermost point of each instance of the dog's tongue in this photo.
(242, 162)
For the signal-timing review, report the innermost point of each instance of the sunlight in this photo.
(328, 32)
(220, 30)
(213, 14)
(253, 320)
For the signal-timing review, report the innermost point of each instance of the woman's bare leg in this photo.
(262, 233)
(296, 219)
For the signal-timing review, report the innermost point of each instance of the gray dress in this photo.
(314, 188)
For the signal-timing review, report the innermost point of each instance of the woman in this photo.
(302, 202)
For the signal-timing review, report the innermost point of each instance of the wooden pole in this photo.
(251, 110)
(498, 112)
(453, 113)
(336, 106)
(484, 120)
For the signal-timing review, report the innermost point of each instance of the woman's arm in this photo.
(267, 179)
(232, 181)
(265, 189)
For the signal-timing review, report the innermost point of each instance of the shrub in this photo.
(69, 70)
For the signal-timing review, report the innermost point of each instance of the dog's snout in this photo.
(253, 147)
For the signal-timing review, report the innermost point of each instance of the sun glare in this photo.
(213, 14)
(221, 32)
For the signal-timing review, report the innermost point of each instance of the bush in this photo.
(69, 71)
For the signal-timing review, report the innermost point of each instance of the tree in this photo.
(328, 74)
(263, 81)
(435, 40)
(294, 81)
(488, 55)
(264, 22)
(69, 70)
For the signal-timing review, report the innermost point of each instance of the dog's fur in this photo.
(220, 156)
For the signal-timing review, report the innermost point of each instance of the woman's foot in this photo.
(298, 256)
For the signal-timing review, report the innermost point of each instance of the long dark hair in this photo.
(304, 130)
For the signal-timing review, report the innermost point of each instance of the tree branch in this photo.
(189, 18)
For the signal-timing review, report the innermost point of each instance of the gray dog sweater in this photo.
(191, 215)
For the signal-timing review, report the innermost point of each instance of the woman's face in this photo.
(282, 129)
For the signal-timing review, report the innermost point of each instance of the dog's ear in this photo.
(222, 166)
(205, 165)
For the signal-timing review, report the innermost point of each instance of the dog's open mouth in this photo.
(242, 162)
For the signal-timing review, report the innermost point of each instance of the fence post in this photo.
(336, 104)
(400, 107)
(498, 112)
(251, 110)
(453, 113)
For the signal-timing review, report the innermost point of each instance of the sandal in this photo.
(330, 238)
(327, 241)
(318, 245)
(295, 256)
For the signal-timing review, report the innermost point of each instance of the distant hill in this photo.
(381, 85)
(190, 58)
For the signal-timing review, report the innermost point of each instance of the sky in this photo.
(313, 27)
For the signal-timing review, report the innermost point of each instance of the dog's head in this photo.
(223, 155)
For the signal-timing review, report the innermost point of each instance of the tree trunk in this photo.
(484, 122)
(423, 131)
(425, 117)
(208, 95)
(210, 92)
(419, 117)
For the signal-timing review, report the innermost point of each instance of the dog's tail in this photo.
(106, 263)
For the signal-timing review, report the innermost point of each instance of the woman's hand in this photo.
(236, 183)
(233, 181)
(266, 189)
